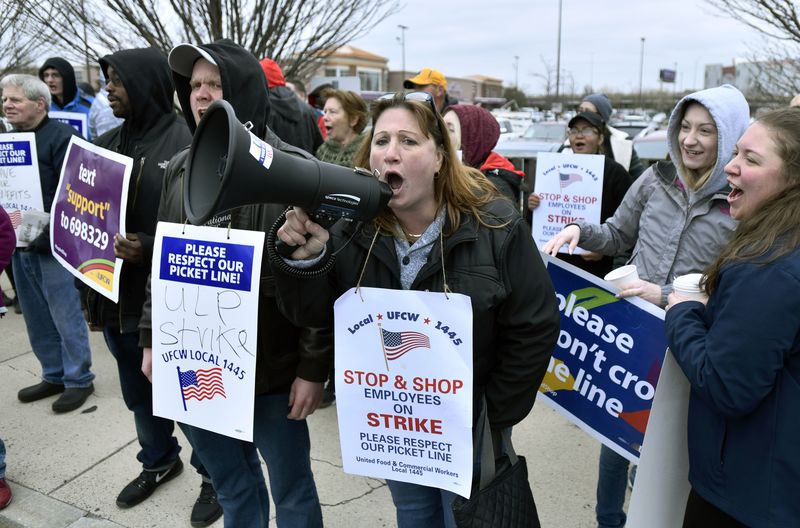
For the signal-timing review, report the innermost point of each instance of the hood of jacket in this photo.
(145, 74)
(69, 86)
(498, 161)
(284, 103)
(243, 85)
(731, 114)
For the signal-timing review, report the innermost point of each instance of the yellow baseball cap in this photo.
(425, 77)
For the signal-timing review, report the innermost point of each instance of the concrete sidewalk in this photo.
(66, 470)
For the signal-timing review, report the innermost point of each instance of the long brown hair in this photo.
(464, 189)
(774, 229)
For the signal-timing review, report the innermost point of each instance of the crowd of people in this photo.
(724, 204)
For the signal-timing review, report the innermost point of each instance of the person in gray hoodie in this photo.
(676, 219)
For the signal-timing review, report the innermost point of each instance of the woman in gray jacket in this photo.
(676, 218)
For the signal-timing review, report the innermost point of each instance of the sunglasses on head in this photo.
(421, 97)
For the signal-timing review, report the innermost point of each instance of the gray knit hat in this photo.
(603, 105)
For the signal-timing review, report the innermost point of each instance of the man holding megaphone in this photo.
(290, 372)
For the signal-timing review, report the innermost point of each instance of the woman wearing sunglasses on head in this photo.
(444, 227)
(740, 350)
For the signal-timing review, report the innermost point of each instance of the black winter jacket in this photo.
(151, 135)
(515, 315)
(284, 351)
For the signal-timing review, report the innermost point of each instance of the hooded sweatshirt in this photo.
(479, 134)
(731, 113)
(284, 351)
(72, 99)
(672, 229)
(151, 134)
(294, 121)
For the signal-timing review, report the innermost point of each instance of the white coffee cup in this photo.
(622, 276)
(689, 286)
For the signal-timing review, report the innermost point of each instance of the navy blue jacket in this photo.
(741, 354)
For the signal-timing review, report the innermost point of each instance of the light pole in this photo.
(558, 52)
(402, 40)
(641, 74)
(516, 72)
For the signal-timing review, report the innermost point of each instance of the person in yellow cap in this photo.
(433, 82)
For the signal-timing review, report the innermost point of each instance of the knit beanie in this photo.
(479, 133)
(603, 105)
(273, 73)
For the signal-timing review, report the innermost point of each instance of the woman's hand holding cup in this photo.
(569, 235)
(294, 231)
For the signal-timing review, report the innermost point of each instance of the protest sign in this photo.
(662, 485)
(571, 188)
(88, 210)
(404, 386)
(76, 120)
(204, 291)
(606, 364)
(20, 188)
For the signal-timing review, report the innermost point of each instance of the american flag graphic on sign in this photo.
(16, 218)
(395, 344)
(201, 384)
(568, 179)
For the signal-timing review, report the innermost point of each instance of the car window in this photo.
(546, 131)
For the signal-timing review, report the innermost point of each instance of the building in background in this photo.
(351, 68)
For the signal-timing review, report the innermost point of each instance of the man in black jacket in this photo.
(290, 371)
(140, 91)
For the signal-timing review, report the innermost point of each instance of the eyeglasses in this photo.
(421, 97)
(583, 131)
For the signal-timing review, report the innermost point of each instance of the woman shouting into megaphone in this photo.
(446, 230)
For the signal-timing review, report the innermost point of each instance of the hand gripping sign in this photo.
(204, 289)
(606, 364)
(404, 386)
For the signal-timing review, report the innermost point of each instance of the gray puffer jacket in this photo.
(672, 229)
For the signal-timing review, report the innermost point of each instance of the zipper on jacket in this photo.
(138, 180)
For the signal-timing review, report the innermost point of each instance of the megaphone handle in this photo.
(285, 250)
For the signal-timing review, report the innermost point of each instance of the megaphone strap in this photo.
(444, 276)
(364, 267)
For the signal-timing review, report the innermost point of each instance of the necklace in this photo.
(411, 237)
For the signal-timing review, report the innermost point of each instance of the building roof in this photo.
(484, 78)
(348, 51)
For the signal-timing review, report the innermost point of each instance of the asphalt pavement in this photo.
(66, 470)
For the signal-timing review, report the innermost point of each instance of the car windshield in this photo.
(546, 131)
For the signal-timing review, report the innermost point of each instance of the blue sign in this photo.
(606, 364)
(15, 153)
(207, 263)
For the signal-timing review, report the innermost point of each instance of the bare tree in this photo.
(16, 49)
(295, 33)
(776, 61)
(548, 77)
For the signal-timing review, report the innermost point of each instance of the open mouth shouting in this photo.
(394, 180)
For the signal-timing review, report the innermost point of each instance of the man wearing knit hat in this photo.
(616, 144)
(433, 82)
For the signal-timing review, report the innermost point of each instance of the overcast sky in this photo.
(600, 40)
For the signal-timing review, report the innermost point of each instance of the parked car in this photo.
(506, 128)
(652, 146)
(632, 127)
(545, 136)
